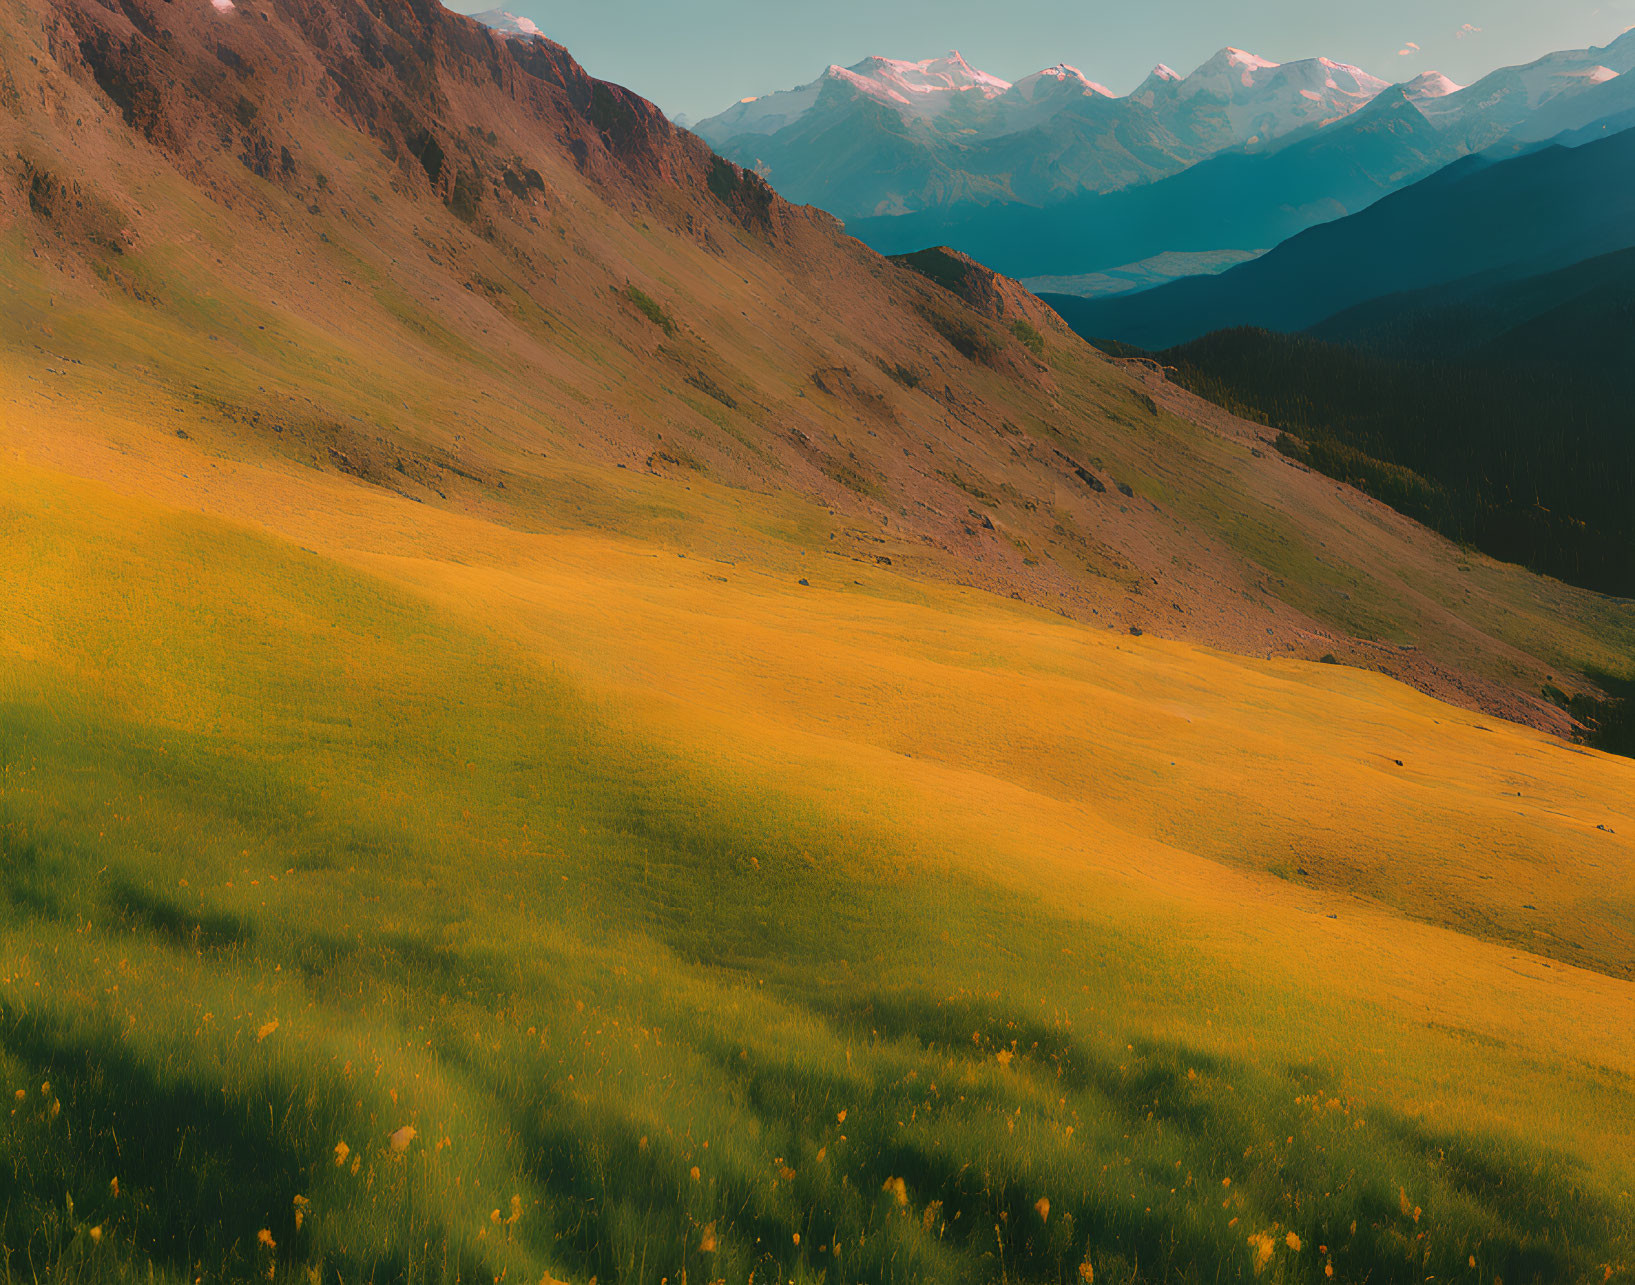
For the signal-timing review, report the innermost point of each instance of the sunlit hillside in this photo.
(450, 828)
(600, 864)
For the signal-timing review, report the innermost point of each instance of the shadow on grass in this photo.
(199, 928)
(202, 1168)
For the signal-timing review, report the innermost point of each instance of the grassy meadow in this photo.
(432, 901)
(452, 831)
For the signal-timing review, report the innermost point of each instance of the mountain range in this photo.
(1241, 200)
(1048, 177)
(885, 137)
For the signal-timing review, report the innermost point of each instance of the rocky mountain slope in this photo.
(385, 242)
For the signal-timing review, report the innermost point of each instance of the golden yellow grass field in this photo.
(1271, 863)
(560, 721)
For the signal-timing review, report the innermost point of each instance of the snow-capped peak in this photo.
(508, 24)
(1070, 78)
(1262, 100)
(1242, 58)
(918, 90)
(1505, 99)
(935, 75)
(1235, 97)
(1430, 84)
(1226, 75)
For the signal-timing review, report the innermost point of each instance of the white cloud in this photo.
(1408, 49)
(1467, 30)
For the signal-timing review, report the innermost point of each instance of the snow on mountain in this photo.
(1504, 100)
(1428, 85)
(919, 90)
(1054, 80)
(1224, 76)
(508, 24)
(930, 80)
(1158, 79)
(1234, 98)
(1263, 100)
(973, 137)
(1037, 98)
(766, 114)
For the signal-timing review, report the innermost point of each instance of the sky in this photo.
(697, 57)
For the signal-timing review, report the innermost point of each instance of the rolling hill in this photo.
(562, 719)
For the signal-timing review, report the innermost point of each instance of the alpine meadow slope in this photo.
(561, 719)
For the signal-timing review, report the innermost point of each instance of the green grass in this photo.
(584, 968)
(651, 309)
(1029, 337)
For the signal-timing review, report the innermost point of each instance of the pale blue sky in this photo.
(699, 56)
